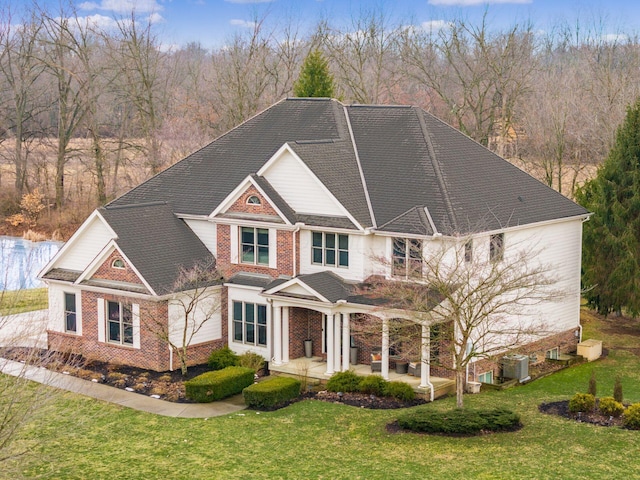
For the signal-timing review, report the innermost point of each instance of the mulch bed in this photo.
(561, 409)
(169, 386)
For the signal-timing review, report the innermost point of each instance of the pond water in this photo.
(21, 260)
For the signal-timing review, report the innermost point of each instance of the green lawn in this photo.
(82, 438)
(20, 301)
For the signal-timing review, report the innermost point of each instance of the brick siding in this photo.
(566, 342)
(241, 205)
(153, 353)
(107, 272)
(284, 242)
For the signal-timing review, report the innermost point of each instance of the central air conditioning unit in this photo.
(516, 366)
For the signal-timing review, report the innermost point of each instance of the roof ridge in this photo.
(436, 167)
(135, 205)
(418, 208)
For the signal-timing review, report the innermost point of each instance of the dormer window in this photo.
(118, 263)
(253, 200)
(407, 257)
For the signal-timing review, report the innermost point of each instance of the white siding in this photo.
(206, 232)
(85, 247)
(559, 247)
(299, 188)
(207, 311)
(358, 257)
(56, 321)
(239, 294)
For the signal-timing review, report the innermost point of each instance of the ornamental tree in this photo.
(315, 80)
(611, 247)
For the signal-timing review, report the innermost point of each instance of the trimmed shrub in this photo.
(212, 386)
(251, 360)
(400, 390)
(222, 358)
(373, 384)
(460, 421)
(609, 406)
(345, 382)
(272, 392)
(500, 419)
(593, 386)
(631, 417)
(582, 402)
(617, 390)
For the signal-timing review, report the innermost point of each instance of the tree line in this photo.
(550, 102)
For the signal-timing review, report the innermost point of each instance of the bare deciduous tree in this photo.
(195, 302)
(490, 301)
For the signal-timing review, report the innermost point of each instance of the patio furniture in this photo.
(376, 362)
(415, 368)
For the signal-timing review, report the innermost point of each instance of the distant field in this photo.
(20, 301)
(83, 438)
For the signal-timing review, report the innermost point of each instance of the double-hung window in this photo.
(250, 323)
(330, 249)
(119, 323)
(254, 245)
(407, 257)
(70, 323)
(496, 247)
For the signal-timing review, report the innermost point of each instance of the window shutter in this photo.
(273, 248)
(233, 229)
(101, 323)
(135, 313)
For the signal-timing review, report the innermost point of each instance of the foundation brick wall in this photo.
(565, 341)
(107, 272)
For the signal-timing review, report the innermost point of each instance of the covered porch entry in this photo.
(321, 307)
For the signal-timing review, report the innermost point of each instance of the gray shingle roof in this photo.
(158, 244)
(409, 159)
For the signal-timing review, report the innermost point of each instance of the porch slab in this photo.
(314, 370)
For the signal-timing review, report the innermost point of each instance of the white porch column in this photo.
(385, 349)
(330, 345)
(425, 368)
(346, 342)
(277, 335)
(336, 342)
(284, 339)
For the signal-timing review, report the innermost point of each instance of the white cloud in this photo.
(242, 23)
(155, 17)
(124, 6)
(97, 20)
(614, 37)
(435, 25)
(469, 3)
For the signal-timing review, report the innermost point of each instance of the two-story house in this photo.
(294, 206)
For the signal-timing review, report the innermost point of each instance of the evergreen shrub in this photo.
(222, 358)
(400, 390)
(344, 382)
(631, 417)
(459, 421)
(374, 385)
(271, 393)
(582, 402)
(219, 384)
(609, 406)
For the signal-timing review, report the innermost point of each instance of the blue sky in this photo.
(212, 22)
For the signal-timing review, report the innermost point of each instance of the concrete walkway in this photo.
(122, 397)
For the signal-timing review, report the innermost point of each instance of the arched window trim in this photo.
(253, 200)
(118, 263)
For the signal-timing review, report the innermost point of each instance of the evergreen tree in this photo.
(315, 80)
(611, 248)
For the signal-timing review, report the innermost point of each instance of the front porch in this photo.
(315, 368)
